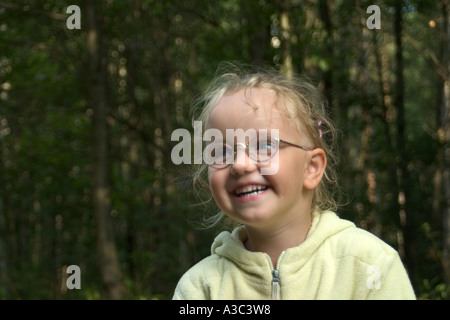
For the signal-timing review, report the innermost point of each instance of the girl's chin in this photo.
(251, 217)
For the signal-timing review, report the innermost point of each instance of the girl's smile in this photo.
(250, 192)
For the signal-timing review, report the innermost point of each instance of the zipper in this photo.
(276, 282)
(276, 285)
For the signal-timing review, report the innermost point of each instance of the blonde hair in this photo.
(302, 102)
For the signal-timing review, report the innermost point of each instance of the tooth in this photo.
(248, 189)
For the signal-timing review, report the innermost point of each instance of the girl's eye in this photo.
(224, 152)
(265, 149)
(264, 145)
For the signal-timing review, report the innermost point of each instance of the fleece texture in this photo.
(337, 260)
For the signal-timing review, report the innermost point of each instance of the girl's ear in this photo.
(315, 168)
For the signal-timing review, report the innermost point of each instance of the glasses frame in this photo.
(247, 151)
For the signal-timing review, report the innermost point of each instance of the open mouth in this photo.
(250, 190)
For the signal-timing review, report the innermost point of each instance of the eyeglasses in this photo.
(222, 155)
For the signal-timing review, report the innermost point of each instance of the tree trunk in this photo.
(107, 255)
(287, 66)
(406, 215)
(325, 16)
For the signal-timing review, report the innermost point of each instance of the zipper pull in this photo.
(276, 285)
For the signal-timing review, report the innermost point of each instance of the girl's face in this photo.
(282, 198)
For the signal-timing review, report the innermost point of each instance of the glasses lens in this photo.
(263, 149)
(219, 155)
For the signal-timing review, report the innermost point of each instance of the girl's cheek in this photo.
(272, 168)
(211, 174)
(215, 180)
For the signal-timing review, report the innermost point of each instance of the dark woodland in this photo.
(87, 112)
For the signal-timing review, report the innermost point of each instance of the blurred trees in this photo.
(86, 176)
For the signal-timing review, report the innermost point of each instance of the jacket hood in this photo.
(325, 224)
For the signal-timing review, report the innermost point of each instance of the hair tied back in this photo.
(319, 124)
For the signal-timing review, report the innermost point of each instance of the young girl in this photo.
(290, 244)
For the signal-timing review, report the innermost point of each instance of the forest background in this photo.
(86, 117)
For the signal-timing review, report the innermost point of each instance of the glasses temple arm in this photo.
(295, 145)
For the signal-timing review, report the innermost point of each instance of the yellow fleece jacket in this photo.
(337, 260)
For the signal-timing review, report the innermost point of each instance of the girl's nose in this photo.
(242, 162)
